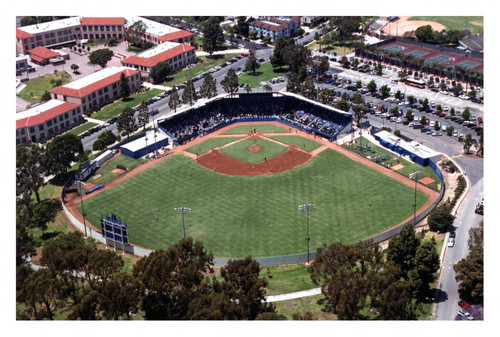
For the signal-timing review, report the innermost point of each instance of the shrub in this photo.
(440, 218)
(397, 132)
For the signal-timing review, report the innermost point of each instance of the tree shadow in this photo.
(49, 235)
(257, 73)
(60, 179)
(280, 71)
(127, 99)
(439, 296)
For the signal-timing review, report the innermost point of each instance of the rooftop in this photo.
(158, 49)
(103, 21)
(42, 112)
(413, 147)
(152, 27)
(160, 53)
(92, 78)
(51, 25)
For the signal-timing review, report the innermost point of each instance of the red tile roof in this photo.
(46, 115)
(103, 21)
(268, 25)
(153, 60)
(41, 53)
(21, 34)
(175, 35)
(94, 86)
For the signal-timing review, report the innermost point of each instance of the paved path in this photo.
(292, 296)
(222, 52)
(156, 86)
(94, 120)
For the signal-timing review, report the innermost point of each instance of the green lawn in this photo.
(237, 216)
(210, 143)
(244, 128)
(36, 87)
(82, 128)
(204, 64)
(116, 108)
(287, 279)
(474, 23)
(301, 142)
(241, 152)
(314, 304)
(409, 167)
(104, 174)
(264, 73)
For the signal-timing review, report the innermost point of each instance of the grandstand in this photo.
(286, 108)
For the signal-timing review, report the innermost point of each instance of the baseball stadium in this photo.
(239, 167)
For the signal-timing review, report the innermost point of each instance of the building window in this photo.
(61, 118)
(32, 130)
(100, 92)
(90, 28)
(113, 28)
(120, 29)
(66, 115)
(49, 123)
(84, 28)
(23, 131)
(40, 127)
(106, 89)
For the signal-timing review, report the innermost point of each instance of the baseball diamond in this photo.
(237, 214)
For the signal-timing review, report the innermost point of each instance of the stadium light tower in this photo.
(414, 175)
(183, 210)
(81, 202)
(306, 208)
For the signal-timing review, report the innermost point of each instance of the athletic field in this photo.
(236, 216)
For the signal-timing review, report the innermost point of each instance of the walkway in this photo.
(222, 52)
(292, 296)
(156, 86)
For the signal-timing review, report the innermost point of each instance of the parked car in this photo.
(451, 242)
(454, 134)
(480, 119)
(436, 134)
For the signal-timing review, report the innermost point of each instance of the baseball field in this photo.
(240, 215)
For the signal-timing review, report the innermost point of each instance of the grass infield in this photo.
(237, 216)
(245, 128)
(240, 150)
(210, 143)
(301, 142)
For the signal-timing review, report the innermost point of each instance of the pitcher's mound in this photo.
(254, 148)
(117, 171)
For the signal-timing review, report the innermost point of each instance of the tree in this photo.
(423, 120)
(241, 27)
(31, 20)
(212, 33)
(143, 116)
(409, 115)
(209, 87)
(45, 212)
(424, 33)
(385, 90)
(296, 56)
(472, 93)
(134, 33)
(357, 99)
(188, 95)
(174, 101)
(470, 275)
(171, 279)
(252, 34)
(100, 266)
(449, 130)
(160, 72)
(467, 143)
(371, 86)
(252, 63)
(440, 218)
(101, 57)
(123, 88)
(125, 124)
(452, 111)
(105, 139)
(402, 249)
(437, 126)
(230, 82)
(28, 171)
(118, 296)
(398, 95)
(45, 97)
(267, 87)
(466, 114)
(75, 67)
(402, 74)
(476, 236)
(307, 89)
(425, 104)
(41, 288)
(277, 57)
(378, 69)
(61, 152)
(457, 89)
(426, 265)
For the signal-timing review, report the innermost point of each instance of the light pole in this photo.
(81, 202)
(183, 210)
(306, 208)
(414, 175)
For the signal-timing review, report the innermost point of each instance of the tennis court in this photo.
(417, 53)
(394, 48)
(468, 64)
(439, 59)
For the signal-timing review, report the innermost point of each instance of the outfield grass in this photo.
(82, 128)
(241, 152)
(475, 23)
(204, 64)
(104, 174)
(264, 73)
(230, 213)
(116, 108)
(245, 128)
(37, 86)
(301, 142)
(286, 279)
(409, 167)
(210, 143)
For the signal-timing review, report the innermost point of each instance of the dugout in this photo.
(417, 152)
(145, 144)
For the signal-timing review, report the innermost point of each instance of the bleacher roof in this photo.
(473, 42)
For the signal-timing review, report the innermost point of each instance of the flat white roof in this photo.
(22, 57)
(158, 49)
(92, 78)
(51, 25)
(152, 27)
(141, 143)
(414, 147)
(39, 109)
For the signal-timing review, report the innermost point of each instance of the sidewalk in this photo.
(156, 86)
(222, 52)
(292, 296)
(94, 120)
